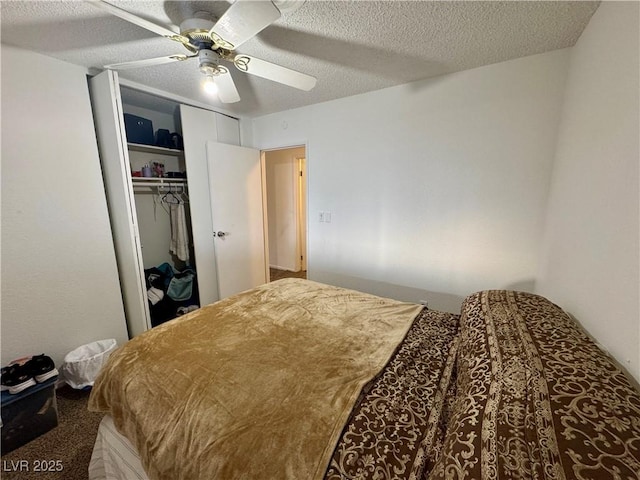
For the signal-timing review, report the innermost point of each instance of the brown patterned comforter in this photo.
(519, 392)
(536, 398)
(397, 425)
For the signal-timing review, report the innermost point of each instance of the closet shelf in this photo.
(158, 182)
(138, 147)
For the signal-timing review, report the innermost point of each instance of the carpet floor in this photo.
(277, 274)
(70, 443)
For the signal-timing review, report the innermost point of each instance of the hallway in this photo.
(277, 274)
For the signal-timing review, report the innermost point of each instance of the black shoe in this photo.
(3, 378)
(42, 368)
(16, 378)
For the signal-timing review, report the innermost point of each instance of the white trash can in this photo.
(81, 366)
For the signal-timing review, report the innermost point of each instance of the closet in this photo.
(158, 198)
(161, 201)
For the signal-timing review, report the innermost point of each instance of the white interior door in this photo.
(114, 156)
(235, 185)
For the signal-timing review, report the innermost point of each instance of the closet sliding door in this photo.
(199, 126)
(107, 107)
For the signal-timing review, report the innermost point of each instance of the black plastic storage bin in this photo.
(28, 414)
(139, 130)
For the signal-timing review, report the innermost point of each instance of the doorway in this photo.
(285, 222)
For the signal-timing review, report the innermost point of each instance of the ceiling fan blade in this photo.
(276, 73)
(227, 91)
(243, 20)
(149, 62)
(141, 22)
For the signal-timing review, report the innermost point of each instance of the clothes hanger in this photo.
(171, 198)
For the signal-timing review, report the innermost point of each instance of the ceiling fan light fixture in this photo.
(209, 85)
(209, 62)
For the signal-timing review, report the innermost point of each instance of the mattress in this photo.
(114, 457)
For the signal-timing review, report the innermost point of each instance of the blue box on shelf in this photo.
(28, 414)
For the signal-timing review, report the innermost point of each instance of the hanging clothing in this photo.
(179, 238)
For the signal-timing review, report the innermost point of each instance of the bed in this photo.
(300, 380)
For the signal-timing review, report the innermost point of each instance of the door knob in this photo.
(220, 234)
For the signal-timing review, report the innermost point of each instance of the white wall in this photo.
(436, 188)
(590, 258)
(59, 281)
(281, 172)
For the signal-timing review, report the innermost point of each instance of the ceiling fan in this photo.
(213, 43)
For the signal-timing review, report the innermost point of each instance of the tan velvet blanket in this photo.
(255, 386)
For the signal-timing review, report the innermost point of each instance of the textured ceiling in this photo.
(350, 46)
